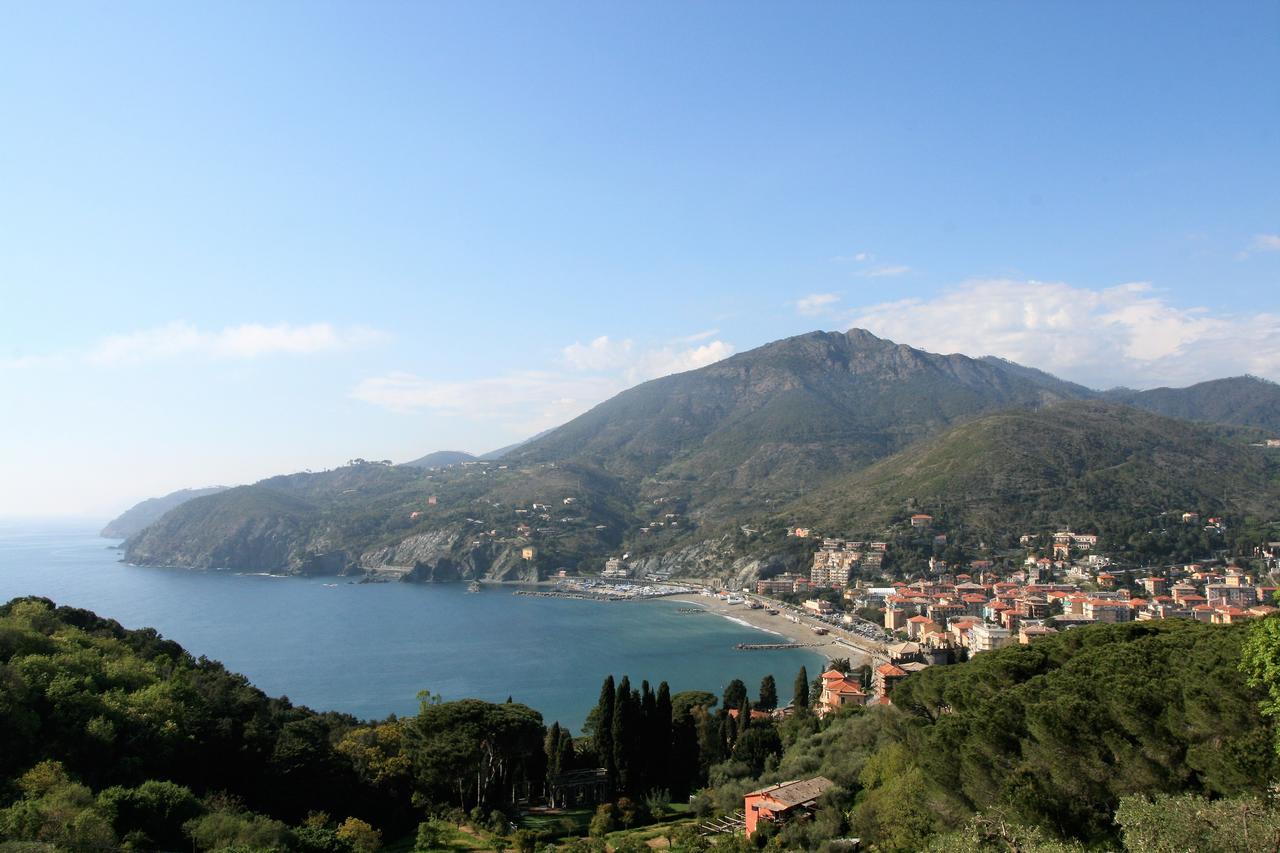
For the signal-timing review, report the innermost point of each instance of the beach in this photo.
(834, 644)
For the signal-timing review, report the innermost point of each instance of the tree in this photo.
(768, 694)
(660, 743)
(801, 689)
(475, 753)
(626, 714)
(734, 695)
(604, 729)
(1260, 662)
(360, 835)
(1189, 822)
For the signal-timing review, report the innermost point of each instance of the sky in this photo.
(240, 239)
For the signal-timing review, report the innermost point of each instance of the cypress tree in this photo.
(625, 713)
(801, 689)
(685, 757)
(744, 717)
(566, 759)
(768, 694)
(647, 753)
(662, 737)
(604, 730)
(551, 746)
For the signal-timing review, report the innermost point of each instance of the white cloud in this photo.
(816, 303)
(530, 401)
(697, 336)
(600, 354)
(632, 365)
(886, 271)
(249, 340)
(1266, 243)
(1123, 335)
(665, 361)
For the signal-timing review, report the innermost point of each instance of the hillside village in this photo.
(953, 612)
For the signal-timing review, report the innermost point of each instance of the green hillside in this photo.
(768, 424)
(841, 431)
(151, 510)
(1240, 400)
(1078, 463)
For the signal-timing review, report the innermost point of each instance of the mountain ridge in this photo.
(660, 470)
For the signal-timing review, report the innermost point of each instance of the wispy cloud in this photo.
(1124, 335)
(816, 303)
(1266, 243)
(885, 271)
(697, 336)
(246, 341)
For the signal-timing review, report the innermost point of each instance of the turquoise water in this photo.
(368, 649)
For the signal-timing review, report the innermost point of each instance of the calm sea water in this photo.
(368, 649)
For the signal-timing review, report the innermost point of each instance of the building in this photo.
(987, 638)
(895, 618)
(886, 676)
(784, 801)
(818, 606)
(781, 584)
(835, 561)
(921, 520)
(614, 568)
(839, 691)
(528, 552)
(1104, 610)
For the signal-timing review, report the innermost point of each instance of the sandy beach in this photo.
(831, 645)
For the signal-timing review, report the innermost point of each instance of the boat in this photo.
(820, 631)
(771, 612)
(474, 586)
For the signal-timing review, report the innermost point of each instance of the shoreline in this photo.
(832, 646)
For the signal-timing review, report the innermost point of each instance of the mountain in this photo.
(1073, 463)
(142, 514)
(441, 459)
(1239, 400)
(767, 424)
(837, 430)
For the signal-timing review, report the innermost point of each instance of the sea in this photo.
(369, 649)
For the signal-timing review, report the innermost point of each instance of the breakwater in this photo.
(759, 647)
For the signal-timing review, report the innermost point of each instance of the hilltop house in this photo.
(838, 691)
(784, 801)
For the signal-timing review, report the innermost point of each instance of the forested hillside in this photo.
(1089, 465)
(1105, 735)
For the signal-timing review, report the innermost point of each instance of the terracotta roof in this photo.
(832, 675)
(795, 792)
(890, 670)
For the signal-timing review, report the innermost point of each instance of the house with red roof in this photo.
(784, 801)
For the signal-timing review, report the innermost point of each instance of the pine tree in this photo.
(734, 695)
(801, 689)
(768, 694)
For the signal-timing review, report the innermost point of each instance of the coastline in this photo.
(801, 632)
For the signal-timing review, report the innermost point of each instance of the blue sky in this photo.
(242, 238)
